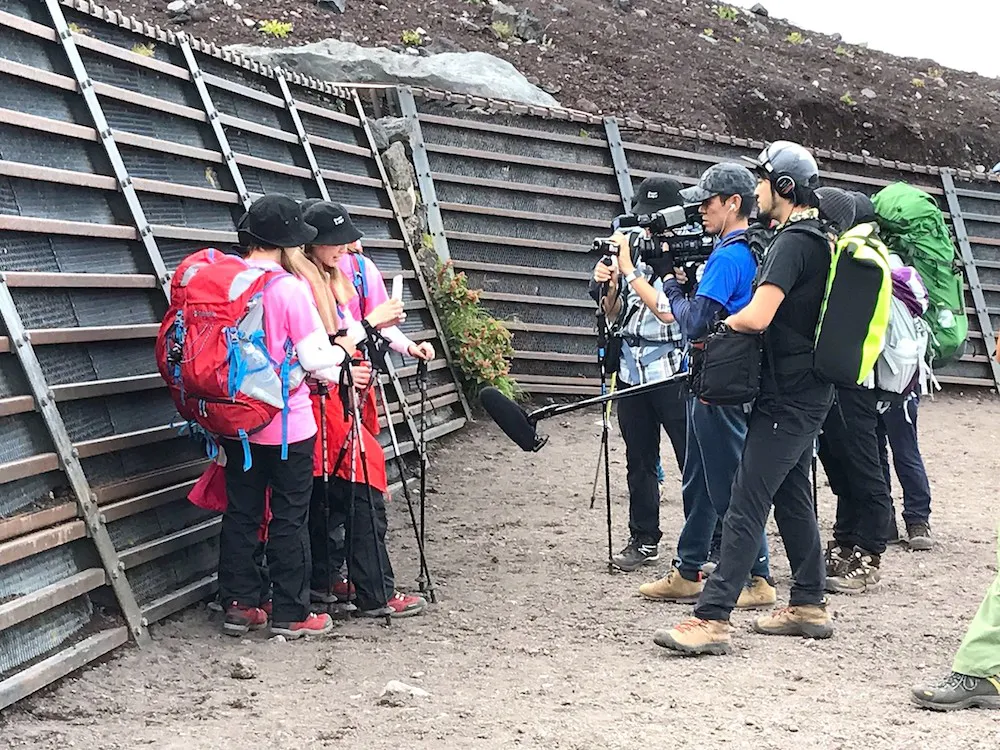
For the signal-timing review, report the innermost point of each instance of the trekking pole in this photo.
(361, 452)
(424, 586)
(424, 574)
(815, 479)
(602, 351)
(324, 393)
(600, 450)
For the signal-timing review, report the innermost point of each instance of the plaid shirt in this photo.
(653, 349)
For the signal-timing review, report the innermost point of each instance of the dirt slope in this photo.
(683, 62)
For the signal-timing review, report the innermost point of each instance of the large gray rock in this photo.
(463, 72)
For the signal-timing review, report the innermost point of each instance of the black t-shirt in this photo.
(798, 263)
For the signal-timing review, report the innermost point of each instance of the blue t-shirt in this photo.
(729, 273)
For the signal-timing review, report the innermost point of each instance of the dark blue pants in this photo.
(715, 438)
(898, 426)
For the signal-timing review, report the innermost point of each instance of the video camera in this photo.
(691, 246)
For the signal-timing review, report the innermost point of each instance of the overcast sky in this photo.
(963, 34)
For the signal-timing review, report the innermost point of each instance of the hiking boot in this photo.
(313, 625)
(406, 605)
(695, 636)
(635, 555)
(958, 691)
(811, 621)
(673, 587)
(757, 594)
(836, 558)
(861, 575)
(918, 536)
(240, 620)
(340, 591)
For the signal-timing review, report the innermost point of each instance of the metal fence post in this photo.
(300, 131)
(86, 87)
(971, 272)
(425, 180)
(421, 281)
(213, 120)
(70, 461)
(620, 162)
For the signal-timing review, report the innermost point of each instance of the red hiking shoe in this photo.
(239, 619)
(340, 592)
(313, 625)
(406, 605)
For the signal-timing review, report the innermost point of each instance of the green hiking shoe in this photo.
(958, 691)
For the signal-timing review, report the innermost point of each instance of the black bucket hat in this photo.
(333, 224)
(274, 221)
(656, 193)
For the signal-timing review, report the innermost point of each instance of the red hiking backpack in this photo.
(211, 349)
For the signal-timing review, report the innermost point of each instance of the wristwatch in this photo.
(631, 276)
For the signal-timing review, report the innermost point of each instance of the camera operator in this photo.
(652, 350)
(715, 434)
(784, 422)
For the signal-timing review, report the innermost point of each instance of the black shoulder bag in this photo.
(726, 366)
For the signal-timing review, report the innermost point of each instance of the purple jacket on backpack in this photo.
(908, 288)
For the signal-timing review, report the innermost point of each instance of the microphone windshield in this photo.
(511, 418)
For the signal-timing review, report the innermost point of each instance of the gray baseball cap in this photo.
(721, 179)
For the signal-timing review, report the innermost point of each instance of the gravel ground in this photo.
(533, 644)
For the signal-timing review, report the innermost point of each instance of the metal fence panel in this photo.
(88, 213)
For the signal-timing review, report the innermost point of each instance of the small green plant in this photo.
(725, 12)
(275, 29)
(78, 29)
(502, 30)
(584, 133)
(738, 39)
(934, 73)
(842, 51)
(795, 37)
(481, 345)
(918, 82)
(848, 99)
(412, 38)
(146, 50)
(709, 32)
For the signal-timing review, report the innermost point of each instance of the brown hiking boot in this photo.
(694, 636)
(757, 594)
(673, 587)
(811, 621)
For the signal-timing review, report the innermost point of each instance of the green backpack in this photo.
(914, 229)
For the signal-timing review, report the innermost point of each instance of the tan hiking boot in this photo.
(811, 621)
(757, 594)
(694, 636)
(673, 587)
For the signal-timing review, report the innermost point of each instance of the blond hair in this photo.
(295, 261)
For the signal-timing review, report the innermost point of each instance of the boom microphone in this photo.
(519, 425)
(512, 419)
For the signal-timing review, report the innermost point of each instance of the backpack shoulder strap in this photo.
(360, 281)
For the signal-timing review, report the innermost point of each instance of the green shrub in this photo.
(412, 38)
(725, 12)
(480, 344)
(502, 30)
(275, 29)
